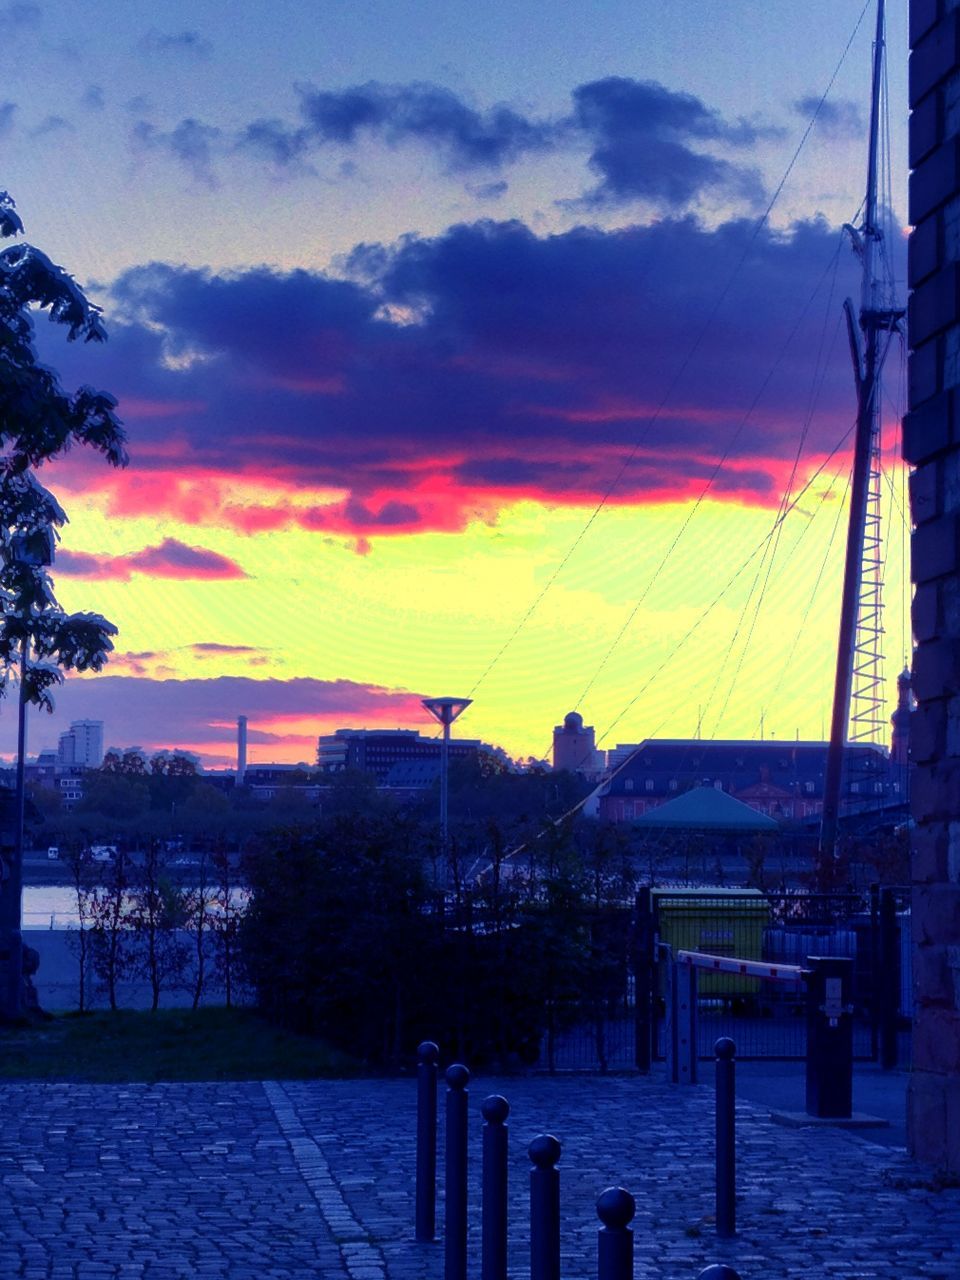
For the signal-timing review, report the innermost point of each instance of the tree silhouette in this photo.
(39, 422)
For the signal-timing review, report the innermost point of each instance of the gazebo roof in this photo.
(706, 809)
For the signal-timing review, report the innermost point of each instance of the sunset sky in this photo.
(455, 357)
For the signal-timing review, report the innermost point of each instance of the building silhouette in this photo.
(574, 747)
(82, 745)
(781, 779)
(386, 752)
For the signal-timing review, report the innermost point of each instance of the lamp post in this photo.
(28, 551)
(445, 710)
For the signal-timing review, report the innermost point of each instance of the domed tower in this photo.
(574, 747)
(900, 739)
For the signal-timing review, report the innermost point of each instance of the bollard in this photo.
(615, 1208)
(544, 1153)
(493, 1257)
(455, 1213)
(719, 1271)
(726, 1139)
(426, 1211)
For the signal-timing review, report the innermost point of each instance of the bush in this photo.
(344, 938)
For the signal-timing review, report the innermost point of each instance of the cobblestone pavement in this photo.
(284, 1181)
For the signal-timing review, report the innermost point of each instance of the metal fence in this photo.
(622, 1025)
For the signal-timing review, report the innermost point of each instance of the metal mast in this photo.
(858, 676)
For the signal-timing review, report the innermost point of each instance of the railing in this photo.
(615, 1206)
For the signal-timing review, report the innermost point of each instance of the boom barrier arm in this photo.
(746, 968)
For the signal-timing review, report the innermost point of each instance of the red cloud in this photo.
(416, 392)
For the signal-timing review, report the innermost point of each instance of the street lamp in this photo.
(28, 551)
(446, 711)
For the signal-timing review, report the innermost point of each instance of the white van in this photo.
(103, 852)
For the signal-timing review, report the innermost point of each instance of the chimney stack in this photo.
(241, 749)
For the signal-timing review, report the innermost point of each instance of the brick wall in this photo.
(931, 443)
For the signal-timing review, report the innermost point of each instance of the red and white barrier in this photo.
(746, 968)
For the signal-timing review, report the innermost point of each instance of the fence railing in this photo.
(619, 1022)
(615, 1206)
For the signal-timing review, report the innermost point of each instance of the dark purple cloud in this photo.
(837, 119)
(646, 142)
(448, 375)
(171, 559)
(213, 647)
(428, 113)
(285, 716)
(644, 139)
(192, 143)
(189, 44)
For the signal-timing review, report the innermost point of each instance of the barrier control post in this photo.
(830, 1037)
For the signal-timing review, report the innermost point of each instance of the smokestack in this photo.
(241, 749)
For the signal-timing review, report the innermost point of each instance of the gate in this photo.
(767, 1019)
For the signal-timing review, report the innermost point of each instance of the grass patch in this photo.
(170, 1044)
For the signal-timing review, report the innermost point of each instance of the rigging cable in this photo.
(819, 378)
(574, 809)
(684, 365)
(749, 560)
(718, 467)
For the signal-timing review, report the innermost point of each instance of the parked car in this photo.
(103, 852)
(53, 851)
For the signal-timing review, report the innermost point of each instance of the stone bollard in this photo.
(426, 1210)
(455, 1214)
(615, 1208)
(493, 1259)
(544, 1152)
(719, 1271)
(726, 1139)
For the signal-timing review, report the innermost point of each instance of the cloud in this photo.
(489, 190)
(213, 648)
(171, 559)
(286, 716)
(191, 143)
(839, 119)
(7, 112)
(53, 126)
(442, 378)
(20, 17)
(94, 98)
(425, 113)
(646, 142)
(188, 44)
(645, 139)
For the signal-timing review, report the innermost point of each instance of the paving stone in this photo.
(283, 1182)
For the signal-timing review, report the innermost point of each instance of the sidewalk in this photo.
(315, 1179)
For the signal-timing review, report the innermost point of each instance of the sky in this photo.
(462, 349)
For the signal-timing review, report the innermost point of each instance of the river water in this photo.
(55, 906)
